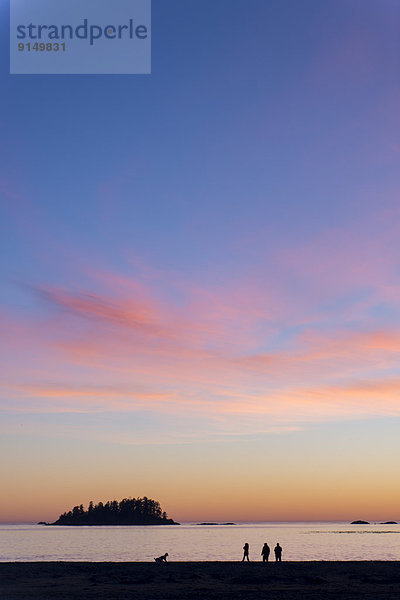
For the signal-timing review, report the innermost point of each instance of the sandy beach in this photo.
(200, 580)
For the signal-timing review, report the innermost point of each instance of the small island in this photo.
(130, 511)
(216, 523)
(359, 523)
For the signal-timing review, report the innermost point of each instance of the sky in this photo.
(200, 269)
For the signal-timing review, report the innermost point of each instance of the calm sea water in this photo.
(300, 541)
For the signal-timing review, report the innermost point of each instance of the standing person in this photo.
(265, 552)
(278, 552)
(245, 552)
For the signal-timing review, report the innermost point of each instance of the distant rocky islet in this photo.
(360, 522)
(215, 523)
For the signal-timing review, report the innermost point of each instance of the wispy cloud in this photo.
(270, 352)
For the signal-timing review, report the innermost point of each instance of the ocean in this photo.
(192, 542)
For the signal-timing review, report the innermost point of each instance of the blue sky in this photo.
(207, 253)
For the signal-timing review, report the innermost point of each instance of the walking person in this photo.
(278, 552)
(265, 552)
(245, 552)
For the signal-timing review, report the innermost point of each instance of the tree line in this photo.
(130, 511)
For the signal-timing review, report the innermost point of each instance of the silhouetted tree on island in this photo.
(130, 511)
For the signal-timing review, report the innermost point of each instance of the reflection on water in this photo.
(199, 543)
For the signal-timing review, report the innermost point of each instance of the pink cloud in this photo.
(163, 342)
(227, 412)
(132, 313)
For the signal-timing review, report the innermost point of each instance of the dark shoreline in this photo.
(198, 580)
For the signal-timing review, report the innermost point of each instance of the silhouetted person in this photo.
(245, 552)
(278, 552)
(265, 552)
(162, 558)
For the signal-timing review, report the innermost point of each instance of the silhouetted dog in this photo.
(162, 558)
